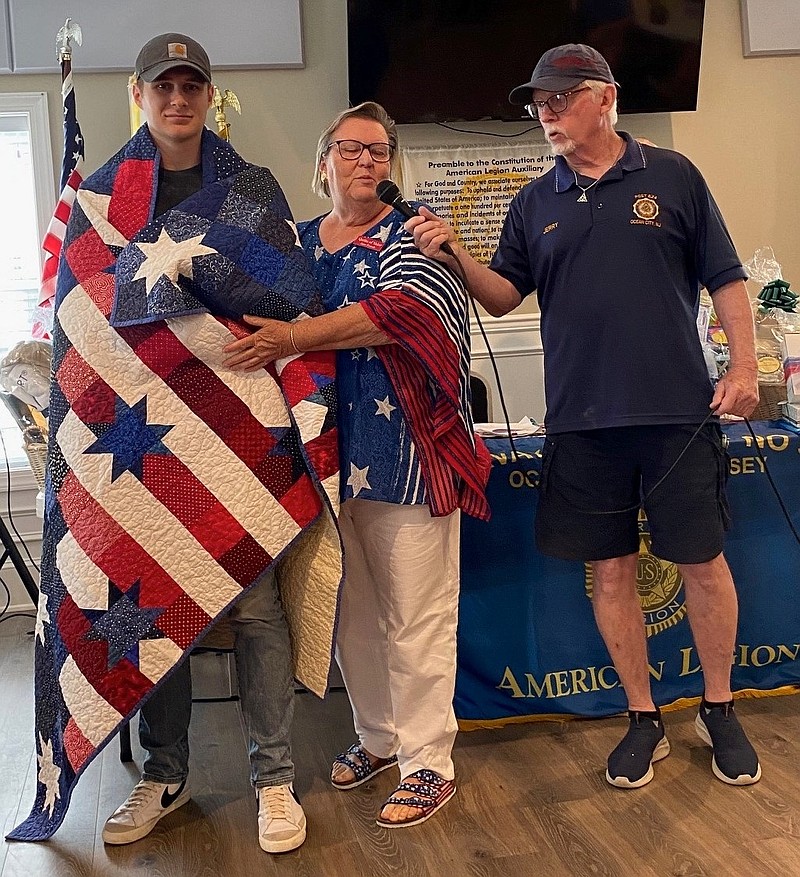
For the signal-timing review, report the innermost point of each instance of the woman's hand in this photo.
(269, 342)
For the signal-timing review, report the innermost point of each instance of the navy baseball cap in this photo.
(169, 50)
(562, 68)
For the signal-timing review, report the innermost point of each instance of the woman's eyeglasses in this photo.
(351, 150)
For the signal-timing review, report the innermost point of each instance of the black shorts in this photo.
(587, 477)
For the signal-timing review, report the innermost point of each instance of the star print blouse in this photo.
(377, 455)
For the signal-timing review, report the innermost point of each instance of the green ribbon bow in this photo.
(777, 294)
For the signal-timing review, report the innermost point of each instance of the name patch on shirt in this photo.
(370, 243)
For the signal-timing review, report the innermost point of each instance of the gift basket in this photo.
(776, 317)
(25, 391)
(775, 314)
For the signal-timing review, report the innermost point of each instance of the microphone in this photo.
(387, 191)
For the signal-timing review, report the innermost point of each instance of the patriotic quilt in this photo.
(174, 484)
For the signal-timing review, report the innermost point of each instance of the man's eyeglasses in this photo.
(556, 103)
(351, 150)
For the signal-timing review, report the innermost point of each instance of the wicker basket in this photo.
(769, 395)
(34, 442)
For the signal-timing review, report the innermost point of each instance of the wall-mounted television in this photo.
(454, 60)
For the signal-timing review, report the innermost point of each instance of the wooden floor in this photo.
(531, 801)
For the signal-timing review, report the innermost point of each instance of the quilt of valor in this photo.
(174, 483)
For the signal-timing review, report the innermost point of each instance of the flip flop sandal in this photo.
(363, 769)
(430, 793)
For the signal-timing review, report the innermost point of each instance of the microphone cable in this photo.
(772, 483)
(661, 480)
(536, 127)
(462, 276)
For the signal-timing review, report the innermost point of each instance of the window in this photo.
(26, 184)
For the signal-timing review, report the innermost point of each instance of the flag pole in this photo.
(71, 178)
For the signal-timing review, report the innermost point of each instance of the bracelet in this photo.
(291, 339)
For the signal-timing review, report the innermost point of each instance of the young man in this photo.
(617, 240)
(174, 91)
(177, 485)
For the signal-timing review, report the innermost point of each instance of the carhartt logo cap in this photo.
(170, 50)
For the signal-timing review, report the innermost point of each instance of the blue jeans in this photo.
(266, 691)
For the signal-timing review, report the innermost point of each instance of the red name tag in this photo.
(369, 243)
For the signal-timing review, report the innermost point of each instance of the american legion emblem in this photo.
(658, 582)
(645, 207)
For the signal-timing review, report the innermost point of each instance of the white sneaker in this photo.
(146, 804)
(281, 821)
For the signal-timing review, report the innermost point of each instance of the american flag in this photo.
(71, 178)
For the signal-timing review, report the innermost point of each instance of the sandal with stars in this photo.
(357, 760)
(428, 794)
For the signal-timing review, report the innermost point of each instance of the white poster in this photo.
(470, 187)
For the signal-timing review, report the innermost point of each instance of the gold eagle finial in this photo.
(221, 100)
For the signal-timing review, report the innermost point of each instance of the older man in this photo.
(617, 241)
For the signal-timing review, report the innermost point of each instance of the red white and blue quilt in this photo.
(174, 483)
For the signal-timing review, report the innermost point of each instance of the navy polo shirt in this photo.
(618, 280)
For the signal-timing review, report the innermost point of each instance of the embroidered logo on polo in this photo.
(659, 585)
(646, 210)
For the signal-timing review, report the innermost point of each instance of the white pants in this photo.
(396, 642)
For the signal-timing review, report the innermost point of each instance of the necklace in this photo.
(584, 189)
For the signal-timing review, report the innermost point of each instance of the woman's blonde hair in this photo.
(367, 110)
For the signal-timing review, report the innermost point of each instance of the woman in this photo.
(410, 462)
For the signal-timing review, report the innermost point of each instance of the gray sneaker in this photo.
(147, 803)
(281, 821)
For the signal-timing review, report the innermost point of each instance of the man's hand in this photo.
(430, 232)
(270, 342)
(736, 392)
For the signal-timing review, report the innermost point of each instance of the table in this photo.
(527, 642)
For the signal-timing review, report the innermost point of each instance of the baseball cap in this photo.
(169, 50)
(561, 68)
